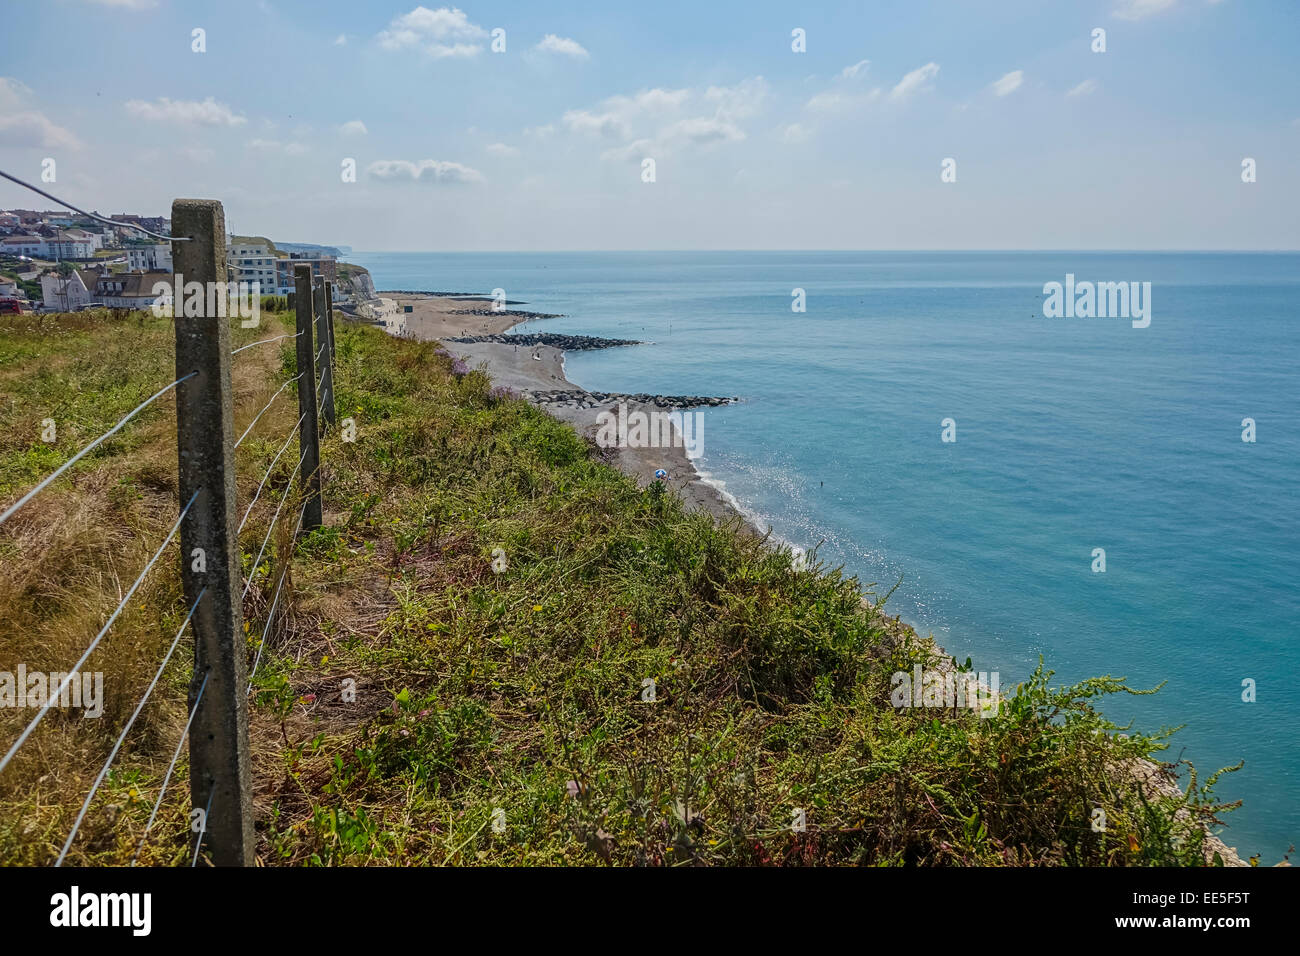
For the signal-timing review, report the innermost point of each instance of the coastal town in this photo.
(61, 261)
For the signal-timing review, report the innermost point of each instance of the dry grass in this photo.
(68, 557)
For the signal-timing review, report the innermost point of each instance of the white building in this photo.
(95, 239)
(62, 246)
(150, 257)
(66, 293)
(23, 245)
(65, 246)
(252, 262)
(126, 290)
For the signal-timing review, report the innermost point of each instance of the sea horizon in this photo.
(596, 252)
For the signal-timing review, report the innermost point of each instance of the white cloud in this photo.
(445, 32)
(423, 171)
(633, 152)
(845, 93)
(30, 128)
(703, 130)
(1009, 83)
(914, 82)
(829, 101)
(207, 113)
(274, 146)
(856, 70)
(501, 149)
(658, 121)
(354, 128)
(13, 92)
(1083, 89)
(585, 121)
(739, 101)
(617, 115)
(562, 45)
(795, 133)
(838, 101)
(656, 100)
(341, 40)
(1141, 9)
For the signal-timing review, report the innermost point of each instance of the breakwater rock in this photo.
(513, 313)
(584, 399)
(569, 343)
(447, 295)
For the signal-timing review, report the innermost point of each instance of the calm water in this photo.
(1072, 434)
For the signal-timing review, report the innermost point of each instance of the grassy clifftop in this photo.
(499, 650)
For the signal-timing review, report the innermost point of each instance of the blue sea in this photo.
(1072, 434)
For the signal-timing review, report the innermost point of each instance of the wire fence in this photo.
(211, 557)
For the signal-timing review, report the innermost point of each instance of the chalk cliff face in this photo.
(363, 285)
(357, 283)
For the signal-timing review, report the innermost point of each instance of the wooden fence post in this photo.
(220, 775)
(323, 301)
(308, 431)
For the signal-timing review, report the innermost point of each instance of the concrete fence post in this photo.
(329, 306)
(323, 300)
(308, 431)
(220, 774)
(329, 310)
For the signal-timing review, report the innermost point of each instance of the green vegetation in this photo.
(30, 288)
(254, 241)
(408, 690)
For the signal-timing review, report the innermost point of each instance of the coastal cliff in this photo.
(550, 662)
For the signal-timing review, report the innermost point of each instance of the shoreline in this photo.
(541, 368)
(528, 368)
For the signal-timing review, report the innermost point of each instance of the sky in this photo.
(458, 146)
